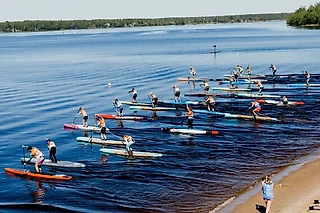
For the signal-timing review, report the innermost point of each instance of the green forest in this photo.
(305, 17)
(45, 25)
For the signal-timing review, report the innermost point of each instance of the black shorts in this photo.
(85, 118)
(206, 88)
(135, 96)
(103, 130)
(177, 94)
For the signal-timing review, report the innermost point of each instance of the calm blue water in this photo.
(45, 77)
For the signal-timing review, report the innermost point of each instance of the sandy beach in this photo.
(294, 193)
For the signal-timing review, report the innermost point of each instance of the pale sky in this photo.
(18, 10)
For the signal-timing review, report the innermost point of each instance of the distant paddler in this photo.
(154, 99)
(284, 100)
(101, 122)
(190, 117)
(84, 114)
(134, 95)
(248, 71)
(210, 102)
(128, 141)
(118, 106)
(240, 69)
(255, 108)
(235, 75)
(193, 72)
(259, 84)
(176, 94)
(274, 69)
(307, 76)
(205, 86)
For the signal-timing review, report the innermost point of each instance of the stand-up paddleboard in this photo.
(257, 95)
(81, 127)
(99, 141)
(178, 103)
(250, 117)
(135, 103)
(280, 103)
(190, 131)
(195, 79)
(47, 162)
(208, 112)
(137, 108)
(37, 175)
(123, 152)
(236, 82)
(231, 89)
(116, 117)
(199, 94)
(237, 116)
(303, 85)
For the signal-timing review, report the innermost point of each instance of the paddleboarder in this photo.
(284, 100)
(84, 114)
(154, 99)
(205, 86)
(210, 102)
(248, 71)
(259, 84)
(52, 150)
(134, 95)
(274, 69)
(38, 155)
(118, 106)
(176, 95)
(240, 69)
(193, 72)
(102, 124)
(128, 141)
(190, 117)
(255, 108)
(307, 76)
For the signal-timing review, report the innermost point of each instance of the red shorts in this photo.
(257, 109)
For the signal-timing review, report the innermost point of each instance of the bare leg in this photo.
(268, 206)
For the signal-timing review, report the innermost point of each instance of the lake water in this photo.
(45, 77)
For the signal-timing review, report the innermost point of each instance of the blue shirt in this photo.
(267, 191)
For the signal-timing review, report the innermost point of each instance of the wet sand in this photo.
(294, 193)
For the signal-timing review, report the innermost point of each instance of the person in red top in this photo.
(255, 108)
(36, 153)
(52, 150)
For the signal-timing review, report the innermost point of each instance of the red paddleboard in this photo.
(37, 175)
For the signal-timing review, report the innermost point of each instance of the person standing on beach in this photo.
(267, 192)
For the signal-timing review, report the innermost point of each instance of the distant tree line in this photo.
(45, 25)
(305, 17)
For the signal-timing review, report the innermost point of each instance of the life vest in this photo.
(102, 123)
(36, 153)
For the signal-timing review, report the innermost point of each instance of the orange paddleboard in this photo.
(37, 175)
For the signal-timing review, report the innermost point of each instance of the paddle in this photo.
(24, 158)
(74, 119)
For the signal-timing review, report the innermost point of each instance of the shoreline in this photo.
(295, 189)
